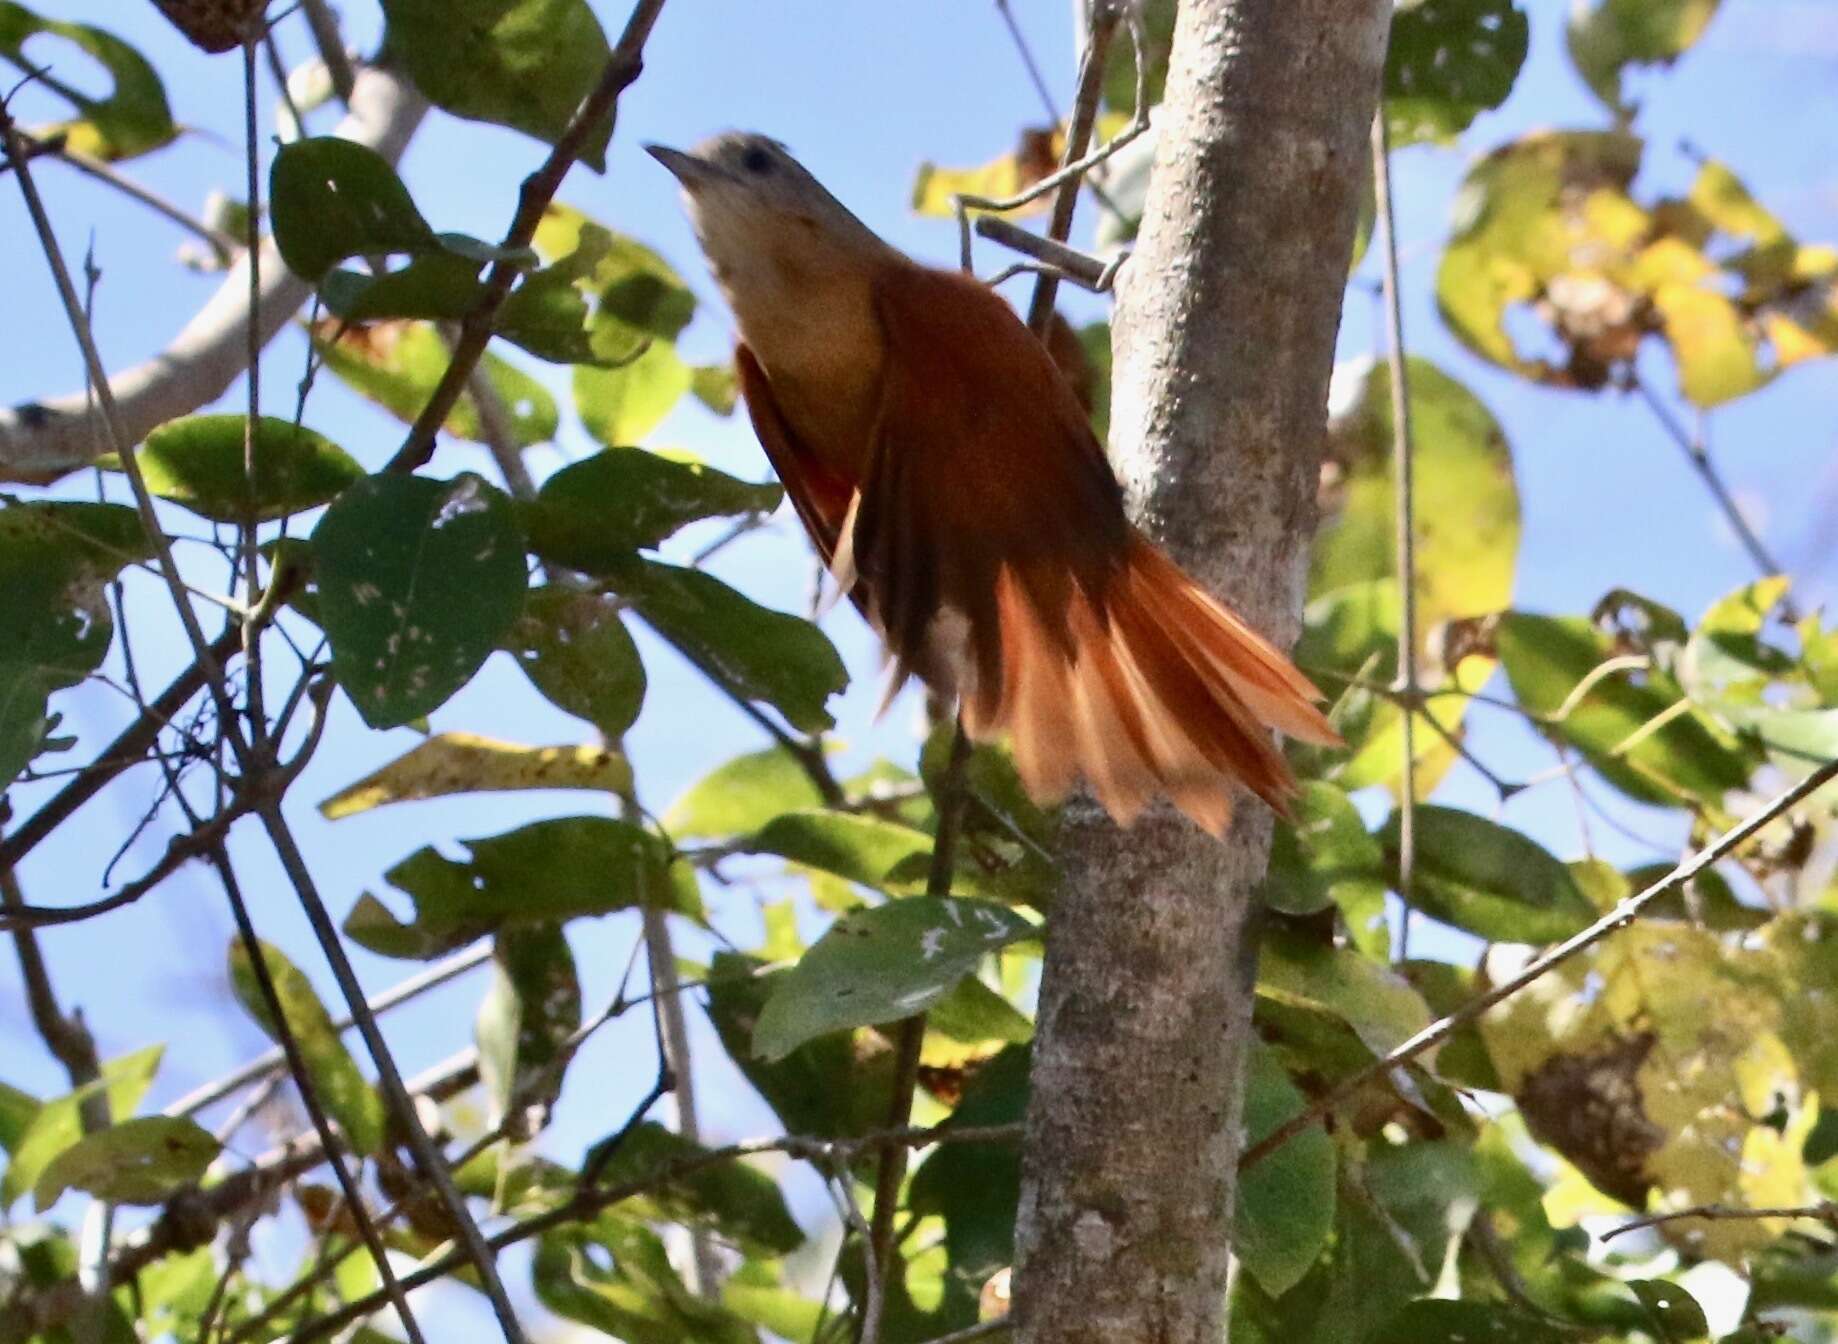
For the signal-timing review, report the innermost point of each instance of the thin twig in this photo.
(1825, 1212)
(221, 244)
(1027, 58)
(981, 1330)
(428, 1159)
(266, 1065)
(1698, 455)
(623, 66)
(586, 1203)
(252, 188)
(1620, 917)
(309, 1092)
(1403, 468)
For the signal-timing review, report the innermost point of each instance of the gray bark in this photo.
(1224, 335)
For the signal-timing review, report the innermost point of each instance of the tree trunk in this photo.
(1224, 335)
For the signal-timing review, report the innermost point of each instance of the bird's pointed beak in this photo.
(691, 171)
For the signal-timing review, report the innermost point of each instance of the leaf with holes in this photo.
(1607, 36)
(133, 119)
(419, 580)
(526, 64)
(575, 649)
(594, 514)
(1449, 61)
(525, 1024)
(560, 869)
(455, 763)
(56, 558)
(341, 1088)
(881, 965)
(199, 462)
(138, 1161)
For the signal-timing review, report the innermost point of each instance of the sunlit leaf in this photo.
(58, 1123)
(1381, 1008)
(1607, 36)
(526, 64)
(199, 462)
(742, 795)
(398, 364)
(883, 964)
(341, 1089)
(418, 580)
(132, 119)
(935, 190)
(138, 1161)
(620, 406)
(455, 763)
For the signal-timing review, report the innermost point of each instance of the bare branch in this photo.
(1620, 917)
(1825, 1212)
(40, 441)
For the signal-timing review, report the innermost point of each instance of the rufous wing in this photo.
(997, 562)
(821, 497)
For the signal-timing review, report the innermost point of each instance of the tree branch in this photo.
(40, 441)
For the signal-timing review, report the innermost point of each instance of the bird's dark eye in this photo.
(756, 160)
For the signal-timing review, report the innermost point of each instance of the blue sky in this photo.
(862, 93)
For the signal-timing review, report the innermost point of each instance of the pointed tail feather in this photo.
(1150, 687)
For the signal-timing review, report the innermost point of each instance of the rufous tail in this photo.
(1153, 687)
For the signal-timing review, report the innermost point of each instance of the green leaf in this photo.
(861, 848)
(526, 64)
(615, 1277)
(601, 301)
(1492, 881)
(1609, 35)
(739, 1202)
(742, 795)
(619, 406)
(1120, 70)
(758, 654)
(594, 514)
(442, 286)
(1546, 659)
(1381, 1008)
(1286, 1202)
(418, 580)
(133, 119)
(754, 1293)
(827, 1087)
(398, 364)
(1329, 859)
(1673, 1315)
(1725, 658)
(56, 559)
(975, 1187)
(883, 964)
(198, 462)
(575, 649)
(332, 198)
(548, 871)
(455, 763)
(525, 1024)
(16, 1111)
(1449, 61)
(139, 1161)
(341, 1088)
(58, 1123)
(973, 1014)
(1433, 1321)
(715, 386)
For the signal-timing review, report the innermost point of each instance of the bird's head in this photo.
(752, 204)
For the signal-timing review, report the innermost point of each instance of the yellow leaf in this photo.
(465, 763)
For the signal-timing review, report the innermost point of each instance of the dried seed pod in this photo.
(214, 25)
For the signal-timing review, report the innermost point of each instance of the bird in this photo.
(952, 483)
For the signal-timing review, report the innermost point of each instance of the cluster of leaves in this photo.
(1679, 1063)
